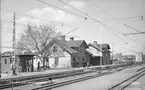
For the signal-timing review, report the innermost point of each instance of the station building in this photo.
(23, 62)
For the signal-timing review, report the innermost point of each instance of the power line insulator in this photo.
(141, 17)
(86, 18)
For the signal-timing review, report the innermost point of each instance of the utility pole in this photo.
(13, 44)
(0, 40)
(14, 39)
(101, 57)
(14, 36)
(112, 52)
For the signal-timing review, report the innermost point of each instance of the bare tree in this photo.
(36, 38)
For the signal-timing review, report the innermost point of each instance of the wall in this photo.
(94, 51)
(60, 58)
(138, 57)
(36, 59)
(106, 58)
(97, 56)
(63, 62)
(7, 68)
(81, 57)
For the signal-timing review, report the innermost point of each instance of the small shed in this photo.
(26, 62)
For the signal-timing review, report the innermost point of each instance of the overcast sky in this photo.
(88, 30)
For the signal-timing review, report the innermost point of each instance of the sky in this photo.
(88, 29)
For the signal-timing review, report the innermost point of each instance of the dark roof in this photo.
(128, 56)
(64, 45)
(99, 47)
(89, 53)
(76, 43)
(103, 46)
(94, 46)
(7, 53)
(10, 53)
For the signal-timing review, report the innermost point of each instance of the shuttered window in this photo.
(5, 61)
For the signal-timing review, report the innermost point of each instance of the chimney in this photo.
(72, 38)
(95, 42)
(62, 38)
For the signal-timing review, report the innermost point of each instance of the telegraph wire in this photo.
(87, 15)
(61, 9)
(132, 28)
(72, 7)
(124, 18)
(119, 38)
(115, 34)
(64, 25)
(134, 41)
(47, 20)
(91, 17)
(112, 16)
(119, 20)
(94, 19)
(33, 17)
(134, 33)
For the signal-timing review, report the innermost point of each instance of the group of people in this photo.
(29, 66)
(44, 67)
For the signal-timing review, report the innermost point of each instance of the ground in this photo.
(137, 85)
(103, 82)
(99, 83)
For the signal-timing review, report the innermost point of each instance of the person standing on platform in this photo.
(38, 66)
(14, 69)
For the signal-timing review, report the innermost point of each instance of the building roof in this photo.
(99, 47)
(103, 46)
(76, 43)
(128, 56)
(10, 53)
(94, 53)
(64, 45)
(88, 52)
(94, 46)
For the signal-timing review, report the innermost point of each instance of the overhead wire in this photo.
(123, 18)
(33, 17)
(106, 26)
(61, 9)
(112, 16)
(134, 33)
(116, 19)
(93, 18)
(76, 14)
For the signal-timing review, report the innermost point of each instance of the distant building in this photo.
(24, 63)
(6, 64)
(143, 58)
(138, 57)
(128, 57)
(68, 54)
(135, 57)
(101, 54)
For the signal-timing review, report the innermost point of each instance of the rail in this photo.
(122, 85)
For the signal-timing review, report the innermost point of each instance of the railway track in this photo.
(24, 81)
(73, 80)
(34, 80)
(124, 84)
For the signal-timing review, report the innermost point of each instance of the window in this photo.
(15, 59)
(47, 60)
(55, 49)
(73, 59)
(11, 60)
(5, 61)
